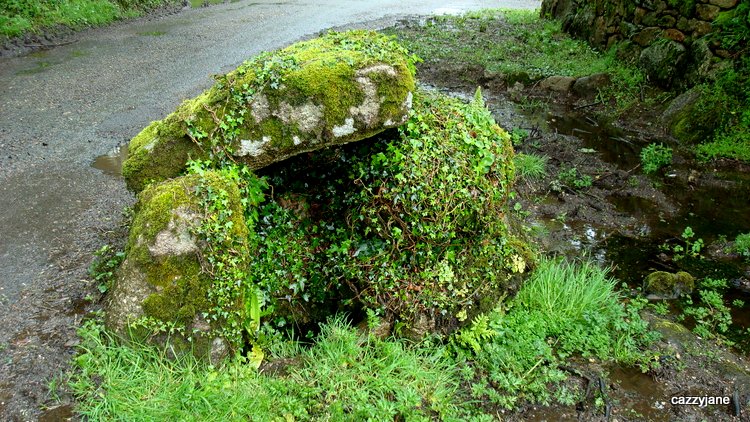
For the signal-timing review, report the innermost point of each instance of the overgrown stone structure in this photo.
(667, 37)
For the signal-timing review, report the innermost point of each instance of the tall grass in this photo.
(566, 292)
(345, 376)
(531, 166)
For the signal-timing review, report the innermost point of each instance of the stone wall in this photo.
(669, 38)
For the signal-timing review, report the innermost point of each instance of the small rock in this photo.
(662, 61)
(663, 285)
(647, 36)
(589, 86)
(674, 35)
(707, 12)
(724, 4)
(557, 83)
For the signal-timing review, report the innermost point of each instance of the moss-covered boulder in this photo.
(339, 88)
(665, 285)
(166, 278)
(693, 115)
(663, 61)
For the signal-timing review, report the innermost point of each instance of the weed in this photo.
(531, 166)
(103, 268)
(573, 179)
(660, 308)
(712, 317)
(742, 245)
(518, 135)
(688, 248)
(654, 157)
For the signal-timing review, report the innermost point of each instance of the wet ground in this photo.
(622, 220)
(61, 108)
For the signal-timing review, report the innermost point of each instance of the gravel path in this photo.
(61, 108)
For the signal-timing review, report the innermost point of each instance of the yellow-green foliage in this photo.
(245, 104)
(182, 286)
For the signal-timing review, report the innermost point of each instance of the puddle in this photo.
(111, 163)
(39, 67)
(615, 145)
(639, 393)
(57, 414)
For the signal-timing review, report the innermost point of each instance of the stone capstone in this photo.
(339, 88)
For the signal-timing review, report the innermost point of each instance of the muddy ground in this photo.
(622, 203)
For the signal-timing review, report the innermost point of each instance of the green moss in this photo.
(668, 285)
(163, 142)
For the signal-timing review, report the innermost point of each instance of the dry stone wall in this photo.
(668, 34)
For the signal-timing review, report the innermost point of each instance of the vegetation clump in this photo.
(730, 93)
(414, 226)
(21, 16)
(742, 245)
(654, 157)
(563, 310)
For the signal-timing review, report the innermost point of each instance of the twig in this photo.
(49, 45)
(587, 105)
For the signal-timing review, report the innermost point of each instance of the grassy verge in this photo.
(22, 16)
(521, 46)
(729, 98)
(505, 358)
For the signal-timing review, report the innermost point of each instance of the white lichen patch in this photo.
(408, 101)
(176, 239)
(307, 117)
(296, 140)
(259, 108)
(378, 68)
(253, 148)
(346, 129)
(149, 146)
(368, 110)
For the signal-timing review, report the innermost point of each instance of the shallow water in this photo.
(715, 204)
